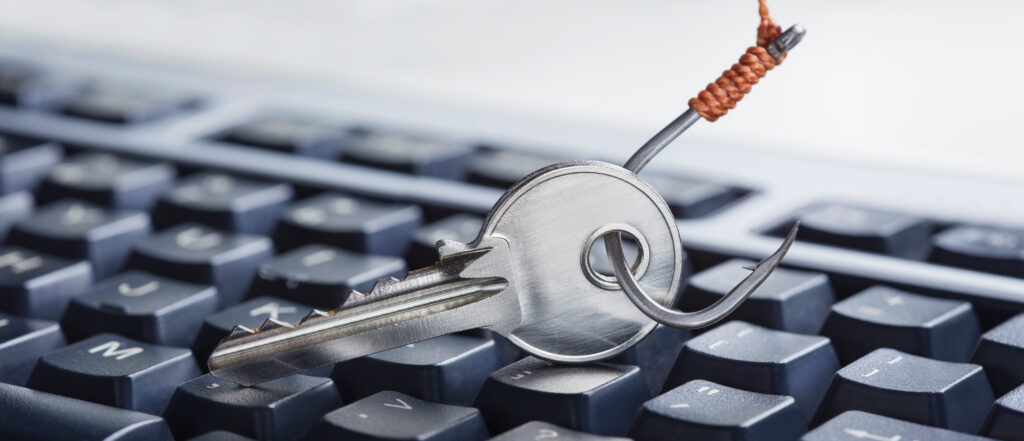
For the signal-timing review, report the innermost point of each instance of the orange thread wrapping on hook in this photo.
(722, 95)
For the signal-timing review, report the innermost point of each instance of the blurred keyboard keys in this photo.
(141, 306)
(24, 162)
(22, 342)
(539, 430)
(655, 355)
(865, 229)
(285, 409)
(224, 201)
(200, 254)
(39, 285)
(251, 314)
(1006, 421)
(220, 435)
(690, 198)
(81, 230)
(600, 398)
(27, 414)
(887, 382)
(406, 153)
(323, 276)
(862, 426)
(390, 415)
(459, 227)
(355, 224)
(703, 410)
(116, 371)
(105, 179)
(448, 369)
(884, 317)
(289, 134)
(13, 208)
(1001, 353)
(790, 300)
(994, 250)
(502, 168)
(122, 104)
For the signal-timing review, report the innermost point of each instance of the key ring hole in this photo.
(597, 265)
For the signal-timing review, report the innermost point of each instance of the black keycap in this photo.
(124, 104)
(196, 253)
(24, 162)
(884, 317)
(142, 306)
(459, 227)
(80, 230)
(220, 435)
(346, 222)
(756, 359)
(995, 250)
(285, 409)
(13, 208)
(539, 430)
(14, 79)
(109, 180)
(22, 342)
(863, 426)
(1001, 353)
(39, 285)
(447, 369)
(655, 355)
(502, 168)
(892, 383)
(323, 276)
(116, 371)
(251, 314)
(225, 202)
(27, 414)
(1006, 421)
(790, 300)
(703, 410)
(866, 229)
(406, 153)
(599, 398)
(390, 415)
(690, 198)
(289, 134)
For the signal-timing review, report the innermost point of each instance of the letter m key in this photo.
(113, 349)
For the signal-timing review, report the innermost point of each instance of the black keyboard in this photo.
(146, 209)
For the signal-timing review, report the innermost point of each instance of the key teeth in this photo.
(240, 331)
(447, 247)
(314, 314)
(270, 323)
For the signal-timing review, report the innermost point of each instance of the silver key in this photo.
(526, 276)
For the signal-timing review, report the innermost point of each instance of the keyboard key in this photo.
(220, 435)
(203, 255)
(863, 426)
(459, 227)
(142, 306)
(884, 317)
(502, 168)
(251, 314)
(655, 355)
(690, 198)
(22, 342)
(790, 300)
(109, 180)
(124, 104)
(346, 222)
(599, 398)
(892, 383)
(995, 250)
(1006, 421)
(393, 416)
(81, 230)
(448, 369)
(225, 202)
(539, 430)
(1001, 353)
(323, 276)
(24, 162)
(13, 208)
(39, 285)
(756, 359)
(289, 134)
(702, 410)
(116, 371)
(285, 409)
(865, 229)
(14, 79)
(27, 414)
(418, 155)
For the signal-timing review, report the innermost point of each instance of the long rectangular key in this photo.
(526, 277)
